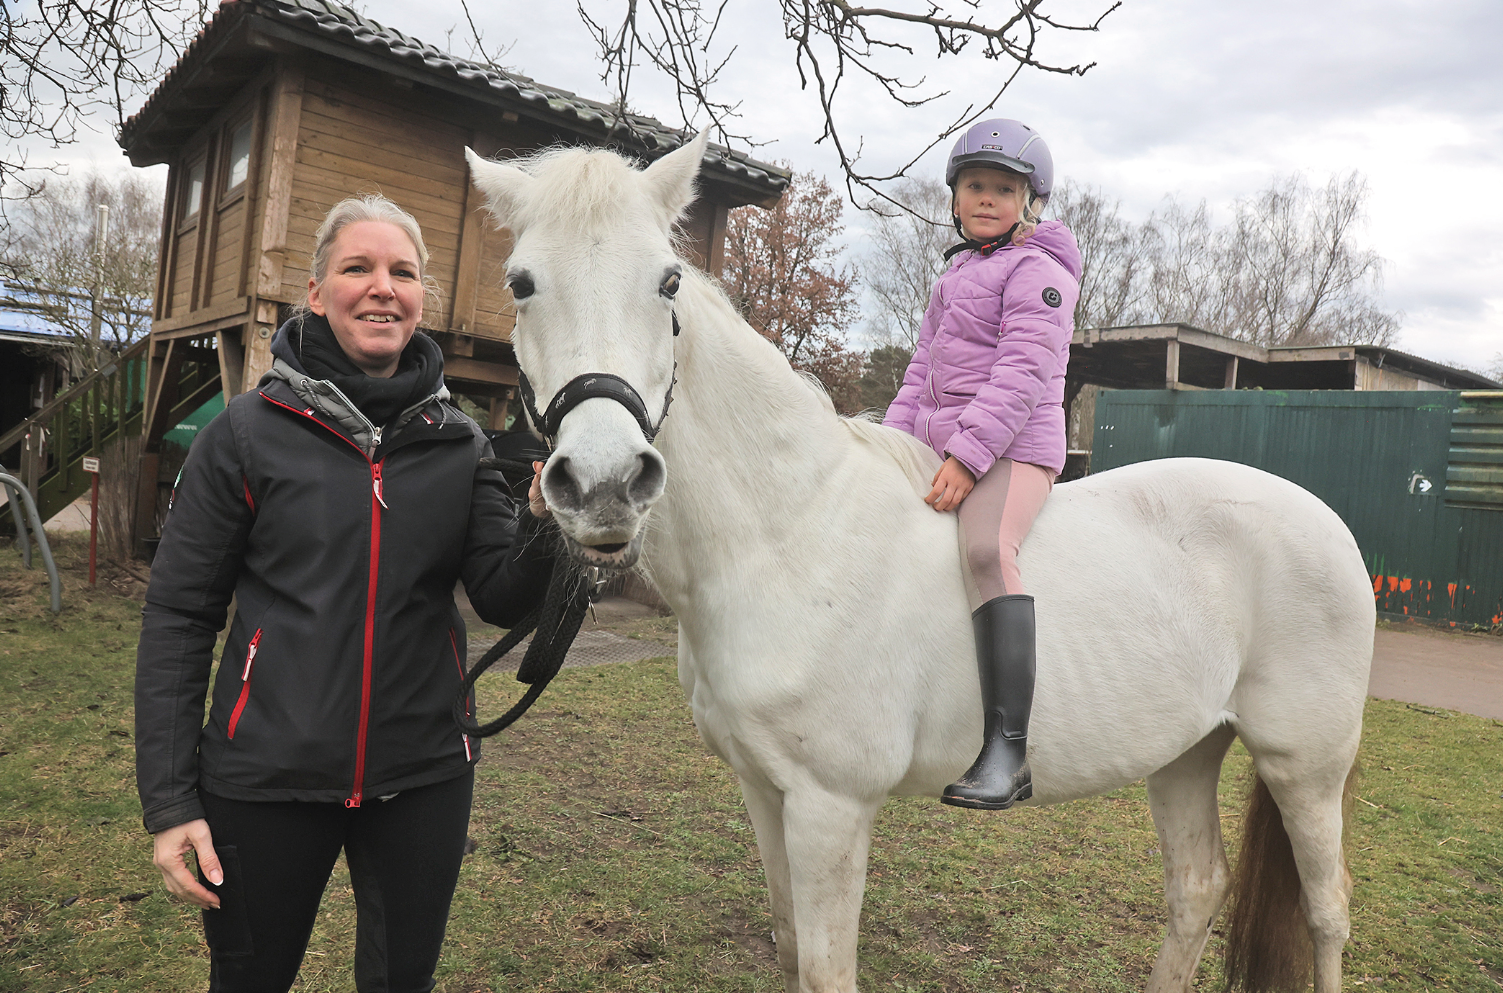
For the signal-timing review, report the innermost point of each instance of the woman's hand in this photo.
(952, 484)
(171, 845)
(535, 501)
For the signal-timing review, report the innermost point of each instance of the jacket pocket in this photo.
(245, 683)
(469, 709)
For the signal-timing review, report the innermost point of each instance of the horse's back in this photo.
(1182, 594)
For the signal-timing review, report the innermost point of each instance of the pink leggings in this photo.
(994, 520)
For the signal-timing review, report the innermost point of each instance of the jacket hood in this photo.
(1056, 239)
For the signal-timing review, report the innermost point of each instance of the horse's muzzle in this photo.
(611, 557)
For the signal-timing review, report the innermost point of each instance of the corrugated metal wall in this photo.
(1379, 459)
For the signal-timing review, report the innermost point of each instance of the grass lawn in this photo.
(612, 852)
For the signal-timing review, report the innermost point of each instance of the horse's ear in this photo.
(505, 187)
(671, 178)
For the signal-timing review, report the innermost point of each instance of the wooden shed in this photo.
(281, 108)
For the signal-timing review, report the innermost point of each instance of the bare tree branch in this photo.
(834, 42)
(477, 42)
(680, 46)
(64, 60)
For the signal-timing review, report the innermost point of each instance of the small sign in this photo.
(90, 464)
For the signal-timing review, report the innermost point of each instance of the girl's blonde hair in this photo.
(1030, 211)
(353, 210)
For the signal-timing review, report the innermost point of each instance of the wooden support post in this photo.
(146, 502)
(705, 227)
(258, 358)
(280, 155)
(1231, 373)
(498, 411)
(163, 372)
(231, 362)
(1171, 365)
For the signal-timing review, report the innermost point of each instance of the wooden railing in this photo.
(79, 421)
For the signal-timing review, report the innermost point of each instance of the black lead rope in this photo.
(556, 621)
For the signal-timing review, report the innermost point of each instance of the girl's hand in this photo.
(168, 850)
(535, 501)
(952, 484)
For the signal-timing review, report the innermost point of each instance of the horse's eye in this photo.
(521, 286)
(670, 285)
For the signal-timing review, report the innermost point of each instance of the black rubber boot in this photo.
(1000, 777)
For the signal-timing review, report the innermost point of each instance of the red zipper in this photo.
(370, 602)
(370, 635)
(460, 665)
(245, 674)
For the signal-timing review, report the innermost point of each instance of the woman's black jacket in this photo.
(346, 651)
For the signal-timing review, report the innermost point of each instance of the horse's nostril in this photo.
(647, 485)
(563, 490)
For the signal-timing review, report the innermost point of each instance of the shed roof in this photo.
(25, 316)
(244, 35)
(1134, 358)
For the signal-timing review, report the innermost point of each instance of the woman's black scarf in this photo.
(312, 349)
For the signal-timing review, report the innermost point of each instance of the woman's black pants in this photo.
(403, 854)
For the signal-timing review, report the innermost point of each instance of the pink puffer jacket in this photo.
(988, 378)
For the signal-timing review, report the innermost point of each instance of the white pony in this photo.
(825, 644)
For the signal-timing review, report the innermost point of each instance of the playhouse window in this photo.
(195, 189)
(240, 151)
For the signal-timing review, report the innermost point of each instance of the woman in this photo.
(338, 503)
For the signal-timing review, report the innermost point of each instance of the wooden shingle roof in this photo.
(244, 35)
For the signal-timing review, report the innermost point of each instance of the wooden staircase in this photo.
(99, 408)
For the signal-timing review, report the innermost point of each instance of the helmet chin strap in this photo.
(984, 247)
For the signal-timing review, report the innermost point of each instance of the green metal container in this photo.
(1417, 476)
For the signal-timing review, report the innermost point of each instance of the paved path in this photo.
(1421, 665)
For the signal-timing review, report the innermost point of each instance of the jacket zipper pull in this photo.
(376, 483)
(250, 657)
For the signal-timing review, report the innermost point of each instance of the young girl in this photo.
(985, 390)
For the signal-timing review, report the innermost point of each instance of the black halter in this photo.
(588, 387)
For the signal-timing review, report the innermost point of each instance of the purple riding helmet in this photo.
(1003, 144)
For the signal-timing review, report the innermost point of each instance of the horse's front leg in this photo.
(764, 802)
(827, 837)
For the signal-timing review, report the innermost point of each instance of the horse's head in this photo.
(594, 273)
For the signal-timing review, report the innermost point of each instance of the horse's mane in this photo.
(916, 459)
(585, 189)
(771, 369)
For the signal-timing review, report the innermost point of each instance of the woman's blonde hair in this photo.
(353, 210)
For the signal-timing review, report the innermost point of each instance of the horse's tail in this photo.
(1268, 948)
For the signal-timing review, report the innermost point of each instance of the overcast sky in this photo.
(1203, 101)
